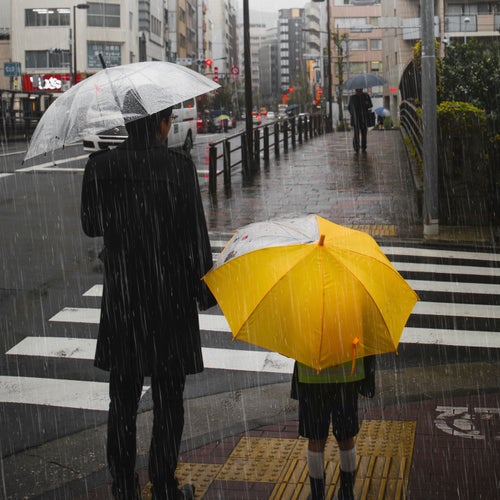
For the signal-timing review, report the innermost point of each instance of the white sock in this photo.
(316, 464)
(348, 460)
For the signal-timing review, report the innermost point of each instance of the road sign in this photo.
(235, 70)
(12, 69)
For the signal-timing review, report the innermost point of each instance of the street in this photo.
(50, 291)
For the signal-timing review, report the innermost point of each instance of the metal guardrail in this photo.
(276, 136)
(411, 125)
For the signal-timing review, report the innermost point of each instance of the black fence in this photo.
(21, 111)
(268, 139)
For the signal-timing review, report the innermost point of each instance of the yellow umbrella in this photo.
(312, 290)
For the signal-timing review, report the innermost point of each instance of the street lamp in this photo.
(82, 6)
(466, 28)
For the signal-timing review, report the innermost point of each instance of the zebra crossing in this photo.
(459, 306)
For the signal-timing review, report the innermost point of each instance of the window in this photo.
(155, 26)
(104, 15)
(357, 67)
(111, 52)
(358, 44)
(349, 22)
(55, 58)
(375, 44)
(47, 17)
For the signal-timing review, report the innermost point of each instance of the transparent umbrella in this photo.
(97, 103)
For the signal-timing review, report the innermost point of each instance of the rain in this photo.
(260, 143)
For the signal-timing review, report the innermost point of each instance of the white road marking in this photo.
(223, 359)
(5, 175)
(49, 166)
(446, 254)
(54, 392)
(454, 287)
(446, 269)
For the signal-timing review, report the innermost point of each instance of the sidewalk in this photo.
(374, 192)
(417, 440)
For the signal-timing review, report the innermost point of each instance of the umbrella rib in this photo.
(368, 293)
(264, 295)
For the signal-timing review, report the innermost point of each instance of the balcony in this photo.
(477, 25)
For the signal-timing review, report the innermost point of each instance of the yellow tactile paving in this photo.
(200, 475)
(385, 449)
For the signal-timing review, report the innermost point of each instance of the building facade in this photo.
(55, 45)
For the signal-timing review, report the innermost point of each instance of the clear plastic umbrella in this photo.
(363, 81)
(97, 103)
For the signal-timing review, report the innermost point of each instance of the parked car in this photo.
(182, 134)
(271, 115)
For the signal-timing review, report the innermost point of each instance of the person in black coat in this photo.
(144, 200)
(359, 105)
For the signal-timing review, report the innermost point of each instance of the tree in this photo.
(471, 73)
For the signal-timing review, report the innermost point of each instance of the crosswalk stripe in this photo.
(457, 338)
(444, 254)
(446, 269)
(215, 322)
(92, 395)
(54, 392)
(223, 359)
(462, 310)
(91, 315)
(454, 287)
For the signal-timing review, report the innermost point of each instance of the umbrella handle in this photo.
(355, 343)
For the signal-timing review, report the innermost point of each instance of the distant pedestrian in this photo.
(145, 201)
(331, 397)
(359, 105)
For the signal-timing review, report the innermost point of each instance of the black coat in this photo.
(359, 106)
(146, 203)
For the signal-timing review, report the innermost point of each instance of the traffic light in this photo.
(208, 62)
(291, 89)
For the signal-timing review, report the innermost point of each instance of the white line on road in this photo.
(91, 315)
(214, 322)
(454, 287)
(446, 254)
(216, 358)
(49, 166)
(458, 338)
(55, 392)
(5, 175)
(446, 269)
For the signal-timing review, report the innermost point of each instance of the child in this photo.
(331, 396)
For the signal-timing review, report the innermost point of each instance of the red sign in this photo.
(235, 70)
(393, 90)
(49, 83)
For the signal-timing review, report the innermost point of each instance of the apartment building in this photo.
(360, 51)
(59, 44)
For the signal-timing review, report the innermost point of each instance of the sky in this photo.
(273, 5)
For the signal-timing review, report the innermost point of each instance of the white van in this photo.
(182, 134)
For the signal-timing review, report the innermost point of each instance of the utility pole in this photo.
(248, 81)
(429, 120)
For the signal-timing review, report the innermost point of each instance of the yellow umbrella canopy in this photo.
(312, 290)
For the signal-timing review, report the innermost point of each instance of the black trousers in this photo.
(125, 389)
(359, 131)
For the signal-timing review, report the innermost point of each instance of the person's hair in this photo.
(137, 120)
(148, 125)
